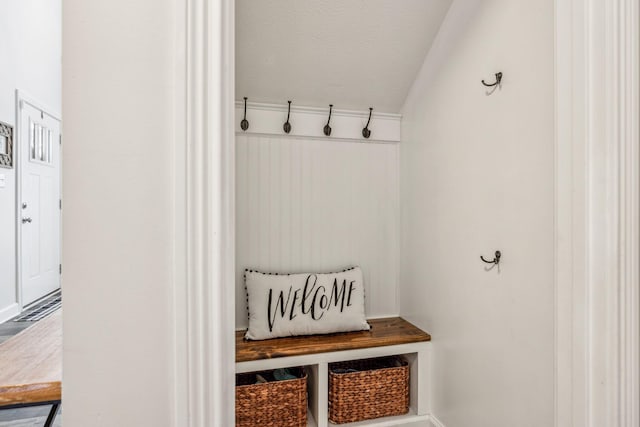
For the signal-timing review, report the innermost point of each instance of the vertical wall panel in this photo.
(313, 205)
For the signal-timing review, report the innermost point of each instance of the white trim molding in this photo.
(618, 211)
(23, 96)
(597, 214)
(204, 224)
(435, 422)
(309, 122)
(9, 311)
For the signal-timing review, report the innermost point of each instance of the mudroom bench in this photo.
(387, 337)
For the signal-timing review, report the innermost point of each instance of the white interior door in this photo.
(39, 203)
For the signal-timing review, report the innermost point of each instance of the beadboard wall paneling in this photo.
(306, 205)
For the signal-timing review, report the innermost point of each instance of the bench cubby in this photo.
(388, 337)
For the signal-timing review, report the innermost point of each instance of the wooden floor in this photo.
(32, 363)
(10, 328)
(30, 370)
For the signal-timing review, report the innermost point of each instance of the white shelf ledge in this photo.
(398, 420)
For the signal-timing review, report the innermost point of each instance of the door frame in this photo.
(22, 97)
(596, 214)
(597, 218)
(204, 191)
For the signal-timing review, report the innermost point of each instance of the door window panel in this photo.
(40, 143)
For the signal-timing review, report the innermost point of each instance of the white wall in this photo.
(119, 65)
(477, 174)
(353, 54)
(318, 205)
(30, 41)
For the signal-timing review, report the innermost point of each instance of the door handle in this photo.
(27, 219)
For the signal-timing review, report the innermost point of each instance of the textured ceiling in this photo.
(350, 53)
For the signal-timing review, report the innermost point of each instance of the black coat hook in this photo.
(244, 124)
(287, 126)
(327, 128)
(365, 131)
(497, 83)
(495, 260)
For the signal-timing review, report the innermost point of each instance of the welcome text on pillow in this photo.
(313, 300)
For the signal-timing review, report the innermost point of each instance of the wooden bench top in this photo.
(31, 363)
(387, 331)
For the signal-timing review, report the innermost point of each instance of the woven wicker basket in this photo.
(271, 404)
(380, 388)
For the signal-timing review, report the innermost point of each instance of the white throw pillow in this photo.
(284, 305)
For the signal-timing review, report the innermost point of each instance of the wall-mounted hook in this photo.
(497, 82)
(327, 128)
(287, 126)
(244, 124)
(495, 260)
(365, 131)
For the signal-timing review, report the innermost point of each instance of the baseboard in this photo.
(9, 312)
(435, 422)
(430, 422)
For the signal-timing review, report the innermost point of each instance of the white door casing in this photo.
(203, 309)
(38, 210)
(597, 220)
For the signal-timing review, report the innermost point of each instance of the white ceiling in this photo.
(350, 53)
